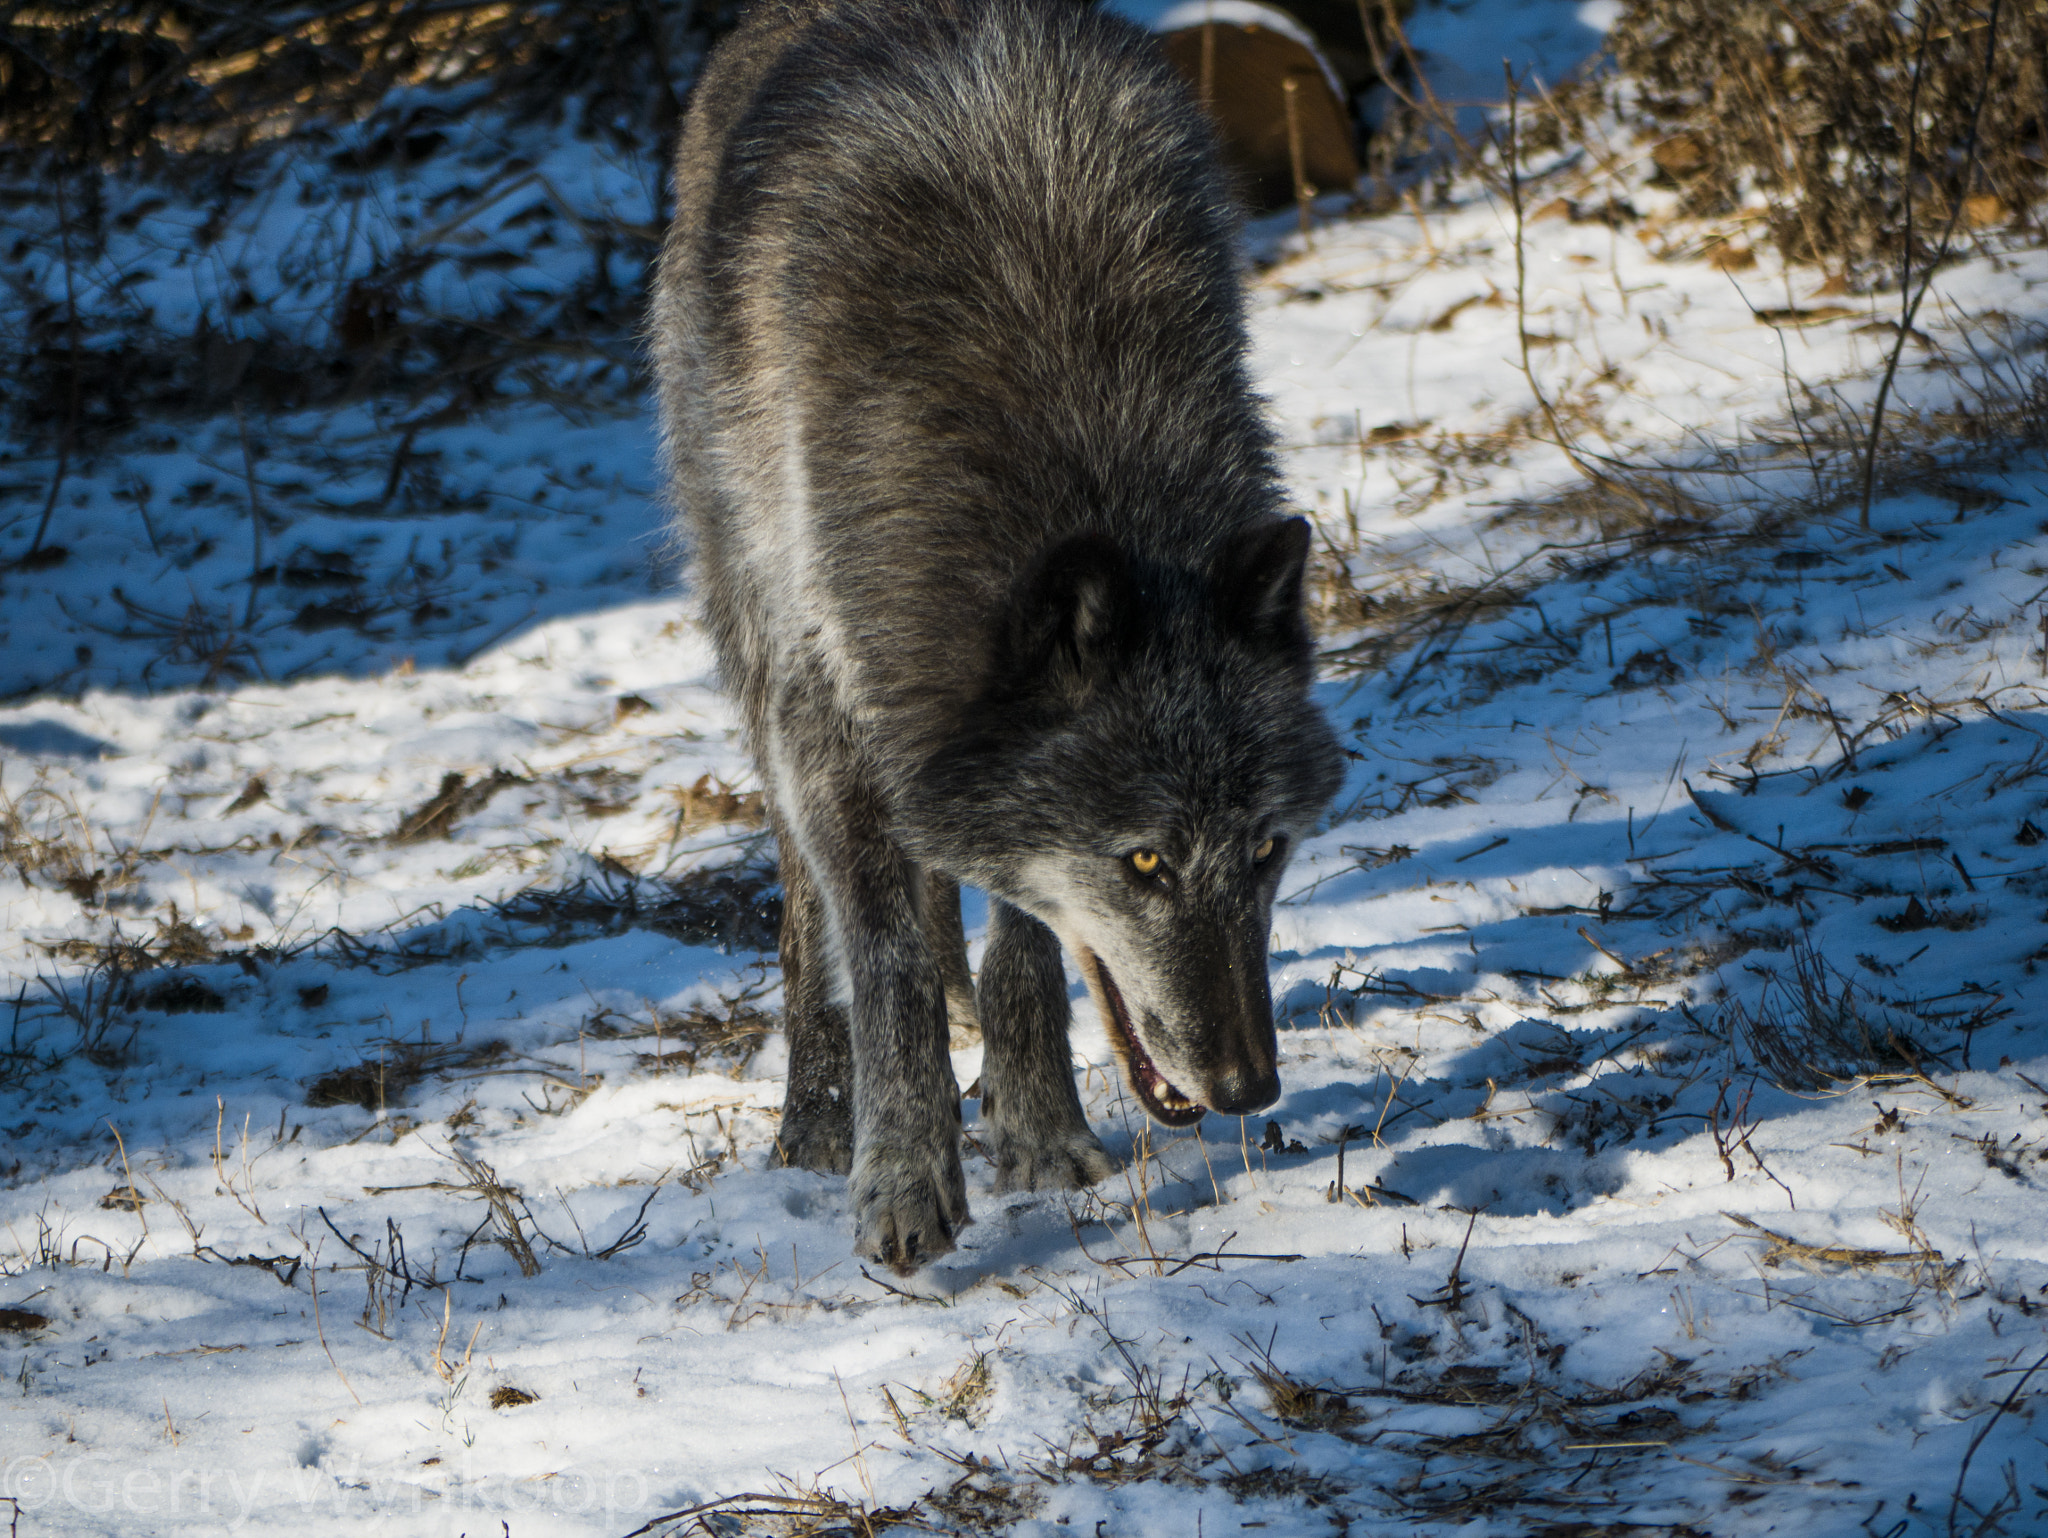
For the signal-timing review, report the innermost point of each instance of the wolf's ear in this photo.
(1075, 611)
(1258, 584)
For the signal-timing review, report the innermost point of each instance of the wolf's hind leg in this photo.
(817, 1106)
(949, 943)
(1038, 1134)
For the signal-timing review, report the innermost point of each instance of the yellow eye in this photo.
(1145, 862)
(1263, 853)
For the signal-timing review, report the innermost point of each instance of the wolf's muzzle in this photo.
(1241, 1062)
(1240, 1091)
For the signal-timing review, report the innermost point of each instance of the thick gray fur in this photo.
(991, 542)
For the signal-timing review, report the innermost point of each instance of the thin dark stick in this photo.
(313, 1277)
(1428, 108)
(1452, 1293)
(1983, 1431)
(670, 105)
(1955, 212)
(1290, 88)
(71, 408)
(143, 492)
(255, 520)
(764, 1505)
(1514, 160)
(1905, 260)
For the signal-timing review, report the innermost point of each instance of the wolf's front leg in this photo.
(1040, 1139)
(909, 1196)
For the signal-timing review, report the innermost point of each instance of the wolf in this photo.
(990, 540)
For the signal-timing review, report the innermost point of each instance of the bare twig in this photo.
(64, 445)
(1955, 213)
(255, 519)
(1513, 156)
(134, 1196)
(313, 1276)
(1983, 1431)
(1304, 194)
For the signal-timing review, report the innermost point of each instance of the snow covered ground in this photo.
(386, 1135)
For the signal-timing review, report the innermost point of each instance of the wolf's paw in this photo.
(821, 1143)
(1061, 1160)
(908, 1204)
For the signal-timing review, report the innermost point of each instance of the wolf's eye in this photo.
(1263, 853)
(1145, 862)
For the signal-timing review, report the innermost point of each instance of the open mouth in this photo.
(1154, 1091)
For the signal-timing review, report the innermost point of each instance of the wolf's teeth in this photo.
(1163, 1091)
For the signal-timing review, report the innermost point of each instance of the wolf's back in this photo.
(950, 280)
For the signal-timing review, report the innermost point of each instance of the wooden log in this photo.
(1245, 73)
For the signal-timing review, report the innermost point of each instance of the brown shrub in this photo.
(102, 81)
(1844, 117)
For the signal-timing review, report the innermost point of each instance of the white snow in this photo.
(1587, 1267)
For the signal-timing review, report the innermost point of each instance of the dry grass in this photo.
(108, 83)
(50, 842)
(795, 1512)
(696, 1039)
(380, 1082)
(1812, 1028)
(1921, 1264)
(1298, 1403)
(735, 907)
(457, 798)
(710, 802)
(1719, 516)
(1864, 127)
(104, 1000)
(963, 1397)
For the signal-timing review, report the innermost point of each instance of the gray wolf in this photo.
(986, 522)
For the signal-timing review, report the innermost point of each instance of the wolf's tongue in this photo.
(1167, 1102)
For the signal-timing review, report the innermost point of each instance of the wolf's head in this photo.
(1135, 775)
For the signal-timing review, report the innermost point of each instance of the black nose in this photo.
(1240, 1092)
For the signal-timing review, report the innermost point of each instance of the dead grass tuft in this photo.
(435, 818)
(45, 836)
(732, 907)
(710, 803)
(965, 1394)
(378, 1083)
(180, 994)
(1921, 1264)
(1300, 1403)
(986, 1501)
(1813, 1028)
(691, 1040)
(792, 1512)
